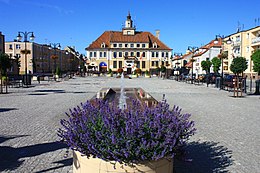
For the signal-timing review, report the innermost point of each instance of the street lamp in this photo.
(54, 46)
(192, 49)
(222, 56)
(177, 57)
(19, 38)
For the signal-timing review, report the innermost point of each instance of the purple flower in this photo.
(100, 129)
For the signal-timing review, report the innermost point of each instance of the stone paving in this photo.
(227, 138)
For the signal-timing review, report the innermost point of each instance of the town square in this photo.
(129, 90)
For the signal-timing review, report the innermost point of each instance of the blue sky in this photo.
(79, 22)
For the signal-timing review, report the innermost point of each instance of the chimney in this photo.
(157, 33)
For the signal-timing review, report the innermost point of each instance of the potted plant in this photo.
(120, 71)
(147, 74)
(135, 75)
(105, 138)
(110, 73)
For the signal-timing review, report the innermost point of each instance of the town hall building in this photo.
(128, 49)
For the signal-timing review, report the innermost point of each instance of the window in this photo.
(105, 54)
(126, 45)
(155, 45)
(100, 54)
(120, 45)
(132, 45)
(152, 54)
(120, 64)
(143, 45)
(237, 38)
(18, 46)
(138, 54)
(114, 54)
(138, 64)
(162, 62)
(247, 49)
(120, 54)
(95, 54)
(18, 56)
(114, 64)
(247, 35)
(155, 63)
(143, 55)
(90, 54)
(132, 53)
(137, 45)
(167, 54)
(156, 54)
(143, 64)
(114, 45)
(10, 46)
(126, 53)
(162, 54)
(103, 45)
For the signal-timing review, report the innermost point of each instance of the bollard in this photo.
(257, 83)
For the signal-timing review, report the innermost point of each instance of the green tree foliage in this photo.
(238, 65)
(256, 60)
(163, 69)
(206, 65)
(216, 62)
(5, 63)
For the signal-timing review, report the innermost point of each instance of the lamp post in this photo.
(25, 36)
(54, 46)
(222, 56)
(177, 57)
(192, 49)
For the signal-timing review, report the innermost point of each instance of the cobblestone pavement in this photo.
(227, 138)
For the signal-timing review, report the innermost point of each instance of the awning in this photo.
(102, 64)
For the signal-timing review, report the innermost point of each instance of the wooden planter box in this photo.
(95, 165)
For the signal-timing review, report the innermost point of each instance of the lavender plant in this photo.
(137, 133)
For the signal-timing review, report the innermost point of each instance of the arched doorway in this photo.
(102, 67)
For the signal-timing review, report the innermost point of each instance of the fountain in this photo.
(122, 98)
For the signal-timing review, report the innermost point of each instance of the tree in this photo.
(216, 62)
(5, 63)
(206, 65)
(238, 65)
(256, 60)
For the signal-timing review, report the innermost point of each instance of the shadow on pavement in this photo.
(7, 109)
(12, 158)
(204, 157)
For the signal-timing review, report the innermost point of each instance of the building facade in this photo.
(128, 49)
(243, 43)
(206, 52)
(40, 58)
(2, 43)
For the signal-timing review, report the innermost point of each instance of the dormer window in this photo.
(103, 45)
(155, 45)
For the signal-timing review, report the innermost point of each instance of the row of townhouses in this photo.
(242, 43)
(39, 58)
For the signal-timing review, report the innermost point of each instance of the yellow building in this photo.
(128, 49)
(39, 58)
(243, 43)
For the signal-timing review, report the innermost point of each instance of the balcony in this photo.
(255, 40)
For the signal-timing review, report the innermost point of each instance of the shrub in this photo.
(120, 70)
(138, 133)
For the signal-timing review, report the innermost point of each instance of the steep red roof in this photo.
(109, 37)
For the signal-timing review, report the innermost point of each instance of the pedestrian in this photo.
(38, 79)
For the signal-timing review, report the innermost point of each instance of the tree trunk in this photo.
(1, 87)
